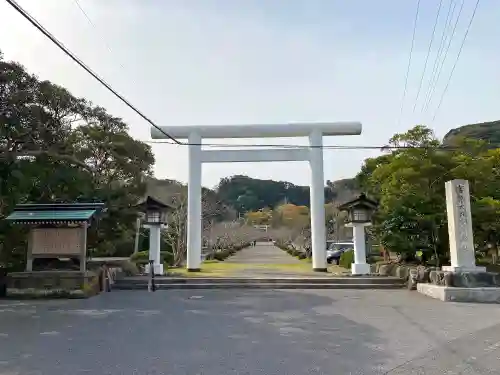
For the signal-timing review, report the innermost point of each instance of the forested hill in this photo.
(242, 193)
(486, 131)
(250, 194)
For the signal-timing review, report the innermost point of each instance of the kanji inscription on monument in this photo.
(460, 227)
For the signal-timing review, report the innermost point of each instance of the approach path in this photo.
(263, 252)
(267, 260)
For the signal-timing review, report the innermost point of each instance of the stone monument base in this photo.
(53, 284)
(473, 286)
(455, 294)
(463, 269)
(158, 269)
(360, 269)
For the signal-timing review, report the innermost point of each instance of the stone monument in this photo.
(462, 281)
(461, 237)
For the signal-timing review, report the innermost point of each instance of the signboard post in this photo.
(151, 283)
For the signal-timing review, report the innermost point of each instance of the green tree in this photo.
(56, 147)
(409, 183)
(411, 214)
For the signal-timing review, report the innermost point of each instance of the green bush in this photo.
(226, 253)
(142, 257)
(291, 250)
(302, 256)
(129, 268)
(346, 259)
(221, 255)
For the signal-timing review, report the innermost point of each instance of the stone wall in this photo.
(465, 279)
(414, 275)
(53, 284)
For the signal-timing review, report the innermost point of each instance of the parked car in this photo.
(336, 249)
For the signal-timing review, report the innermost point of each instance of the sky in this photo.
(216, 62)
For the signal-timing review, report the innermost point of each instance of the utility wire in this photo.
(409, 62)
(456, 60)
(86, 15)
(173, 140)
(440, 70)
(447, 24)
(428, 53)
(324, 147)
(61, 46)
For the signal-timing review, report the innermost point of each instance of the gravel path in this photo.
(263, 252)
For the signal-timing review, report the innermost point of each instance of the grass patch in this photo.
(226, 269)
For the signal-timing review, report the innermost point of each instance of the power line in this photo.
(61, 46)
(428, 53)
(173, 140)
(431, 94)
(86, 15)
(325, 147)
(77, 3)
(447, 24)
(456, 60)
(409, 62)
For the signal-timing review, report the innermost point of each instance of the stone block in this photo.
(413, 279)
(476, 279)
(62, 284)
(441, 278)
(423, 273)
(387, 269)
(454, 294)
(402, 272)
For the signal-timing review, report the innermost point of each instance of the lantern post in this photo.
(359, 215)
(155, 218)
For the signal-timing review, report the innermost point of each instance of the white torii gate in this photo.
(314, 155)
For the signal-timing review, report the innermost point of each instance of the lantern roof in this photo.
(151, 203)
(362, 201)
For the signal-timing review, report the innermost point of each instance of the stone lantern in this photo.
(359, 215)
(155, 217)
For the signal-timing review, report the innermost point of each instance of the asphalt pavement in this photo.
(218, 332)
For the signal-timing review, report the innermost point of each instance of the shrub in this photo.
(302, 256)
(221, 255)
(142, 257)
(346, 259)
(167, 257)
(226, 253)
(291, 250)
(129, 268)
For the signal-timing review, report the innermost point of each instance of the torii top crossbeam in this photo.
(259, 130)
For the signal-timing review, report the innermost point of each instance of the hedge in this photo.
(346, 259)
(226, 253)
(142, 257)
(292, 251)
